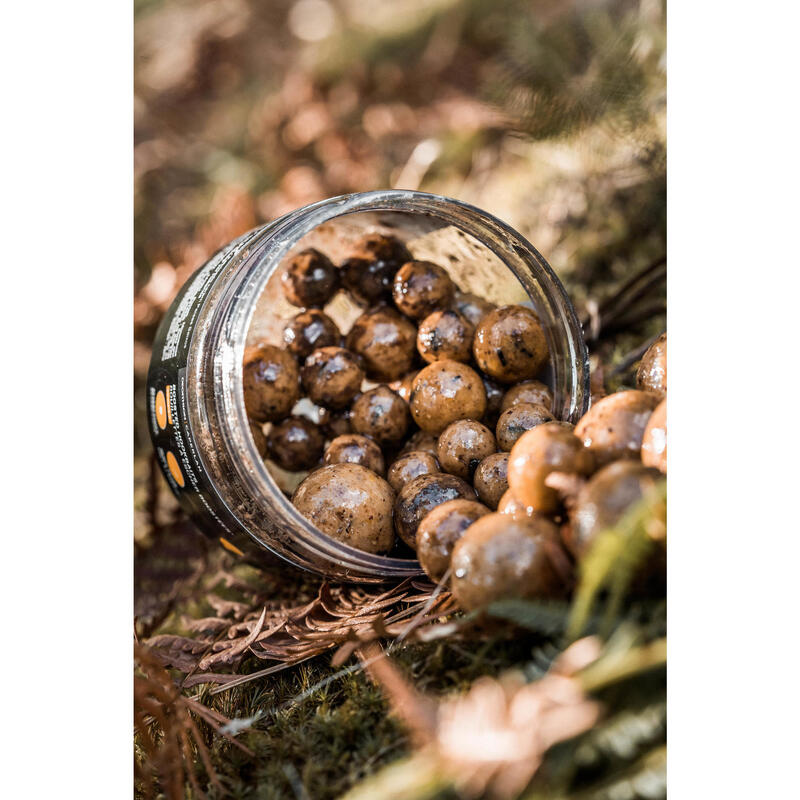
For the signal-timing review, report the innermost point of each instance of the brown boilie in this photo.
(295, 443)
(308, 331)
(463, 445)
(270, 381)
(381, 414)
(444, 392)
(352, 448)
(332, 376)
(500, 556)
(651, 376)
(411, 465)
(386, 341)
(439, 531)
(518, 419)
(614, 426)
(349, 503)
(310, 279)
(491, 479)
(420, 287)
(445, 334)
(528, 392)
(510, 344)
(421, 495)
(552, 447)
(654, 440)
(369, 273)
(471, 306)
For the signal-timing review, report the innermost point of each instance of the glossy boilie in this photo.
(310, 279)
(295, 443)
(463, 445)
(516, 420)
(352, 448)
(332, 376)
(381, 414)
(270, 382)
(491, 479)
(444, 392)
(421, 287)
(386, 341)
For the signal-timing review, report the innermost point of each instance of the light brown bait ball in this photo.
(510, 345)
(654, 441)
(613, 428)
(444, 392)
(463, 445)
(439, 531)
(495, 392)
(652, 373)
(368, 275)
(271, 382)
(386, 341)
(410, 466)
(381, 414)
(605, 498)
(349, 503)
(471, 306)
(403, 385)
(445, 334)
(332, 376)
(354, 449)
(491, 479)
(421, 287)
(310, 280)
(500, 557)
(528, 392)
(310, 330)
(551, 447)
(518, 419)
(295, 443)
(420, 441)
(421, 495)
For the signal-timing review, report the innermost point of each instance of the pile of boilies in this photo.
(482, 482)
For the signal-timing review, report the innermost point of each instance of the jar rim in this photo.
(233, 314)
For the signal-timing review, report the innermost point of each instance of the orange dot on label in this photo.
(161, 410)
(175, 469)
(228, 546)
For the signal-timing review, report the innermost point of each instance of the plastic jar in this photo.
(195, 400)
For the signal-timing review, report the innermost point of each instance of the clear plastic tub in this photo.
(196, 407)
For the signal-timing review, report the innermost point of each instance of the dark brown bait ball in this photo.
(445, 334)
(491, 479)
(605, 498)
(295, 443)
(369, 273)
(271, 382)
(528, 392)
(613, 428)
(421, 287)
(463, 445)
(552, 447)
(471, 306)
(422, 494)
(332, 376)
(381, 414)
(409, 466)
(387, 342)
(349, 503)
(654, 441)
(440, 530)
(310, 280)
(518, 419)
(501, 556)
(259, 438)
(652, 373)
(354, 449)
(510, 345)
(310, 330)
(403, 385)
(444, 392)
(421, 440)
